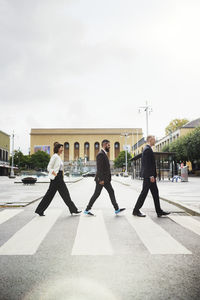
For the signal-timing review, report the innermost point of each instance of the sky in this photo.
(91, 64)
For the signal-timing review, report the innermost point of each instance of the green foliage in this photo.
(165, 148)
(193, 145)
(18, 158)
(175, 124)
(187, 148)
(120, 160)
(38, 160)
(179, 147)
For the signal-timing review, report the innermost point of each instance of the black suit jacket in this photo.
(148, 163)
(103, 168)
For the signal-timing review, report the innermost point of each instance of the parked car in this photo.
(90, 174)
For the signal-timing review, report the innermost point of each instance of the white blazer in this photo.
(54, 165)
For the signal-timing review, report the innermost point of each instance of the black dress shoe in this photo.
(40, 214)
(163, 213)
(76, 212)
(138, 214)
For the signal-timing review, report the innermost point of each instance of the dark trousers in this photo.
(97, 193)
(152, 186)
(59, 185)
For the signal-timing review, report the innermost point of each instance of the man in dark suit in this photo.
(103, 179)
(148, 173)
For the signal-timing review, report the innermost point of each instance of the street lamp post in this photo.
(126, 135)
(148, 110)
(12, 175)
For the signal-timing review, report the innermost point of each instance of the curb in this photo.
(185, 208)
(21, 205)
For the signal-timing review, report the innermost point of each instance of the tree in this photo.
(18, 158)
(180, 148)
(186, 147)
(119, 162)
(174, 125)
(193, 145)
(39, 160)
(165, 148)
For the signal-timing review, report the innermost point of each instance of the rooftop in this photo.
(192, 124)
(83, 131)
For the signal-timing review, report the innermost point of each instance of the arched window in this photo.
(96, 149)
(117, 149)
(66, 151)
(7, 156)
(76, 150)
(4, 155)
(87, 151)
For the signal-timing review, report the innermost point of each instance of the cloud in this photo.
(92, 64)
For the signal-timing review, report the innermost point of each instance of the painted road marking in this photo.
(187, 222)
(7, 214)
(154, 237)
(92, 237)
(27, 240)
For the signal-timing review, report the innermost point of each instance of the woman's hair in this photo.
(57, 147)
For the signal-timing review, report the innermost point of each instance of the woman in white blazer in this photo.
(55, 169)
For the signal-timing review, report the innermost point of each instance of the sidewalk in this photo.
(185, 195)
(13, 193)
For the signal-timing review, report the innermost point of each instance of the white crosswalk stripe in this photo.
(187, 222)
(7, 214)
(155, 238)
(27, 240)
(92, 237)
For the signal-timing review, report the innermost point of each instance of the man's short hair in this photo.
(150, 137)
(105, 142)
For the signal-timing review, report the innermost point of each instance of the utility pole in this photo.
(126, 135)
(12, 175)
(147, 108)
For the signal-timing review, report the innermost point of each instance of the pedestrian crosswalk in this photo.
(7, 214)
(94, 237)
(155, 238)
(27, 240)
(189, 223)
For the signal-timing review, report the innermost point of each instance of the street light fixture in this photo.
(148, 109)
(126, 135)
(12, 175)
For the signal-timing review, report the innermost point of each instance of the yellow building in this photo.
(4, 153)
(173, 136)
(83, 143)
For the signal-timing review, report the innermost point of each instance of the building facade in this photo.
(83, 143)
(4, 153)
(173, 136)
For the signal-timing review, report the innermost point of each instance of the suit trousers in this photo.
(97, 192)
(152, 186)
(59, 185)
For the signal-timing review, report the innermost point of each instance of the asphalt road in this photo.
(107, 257)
